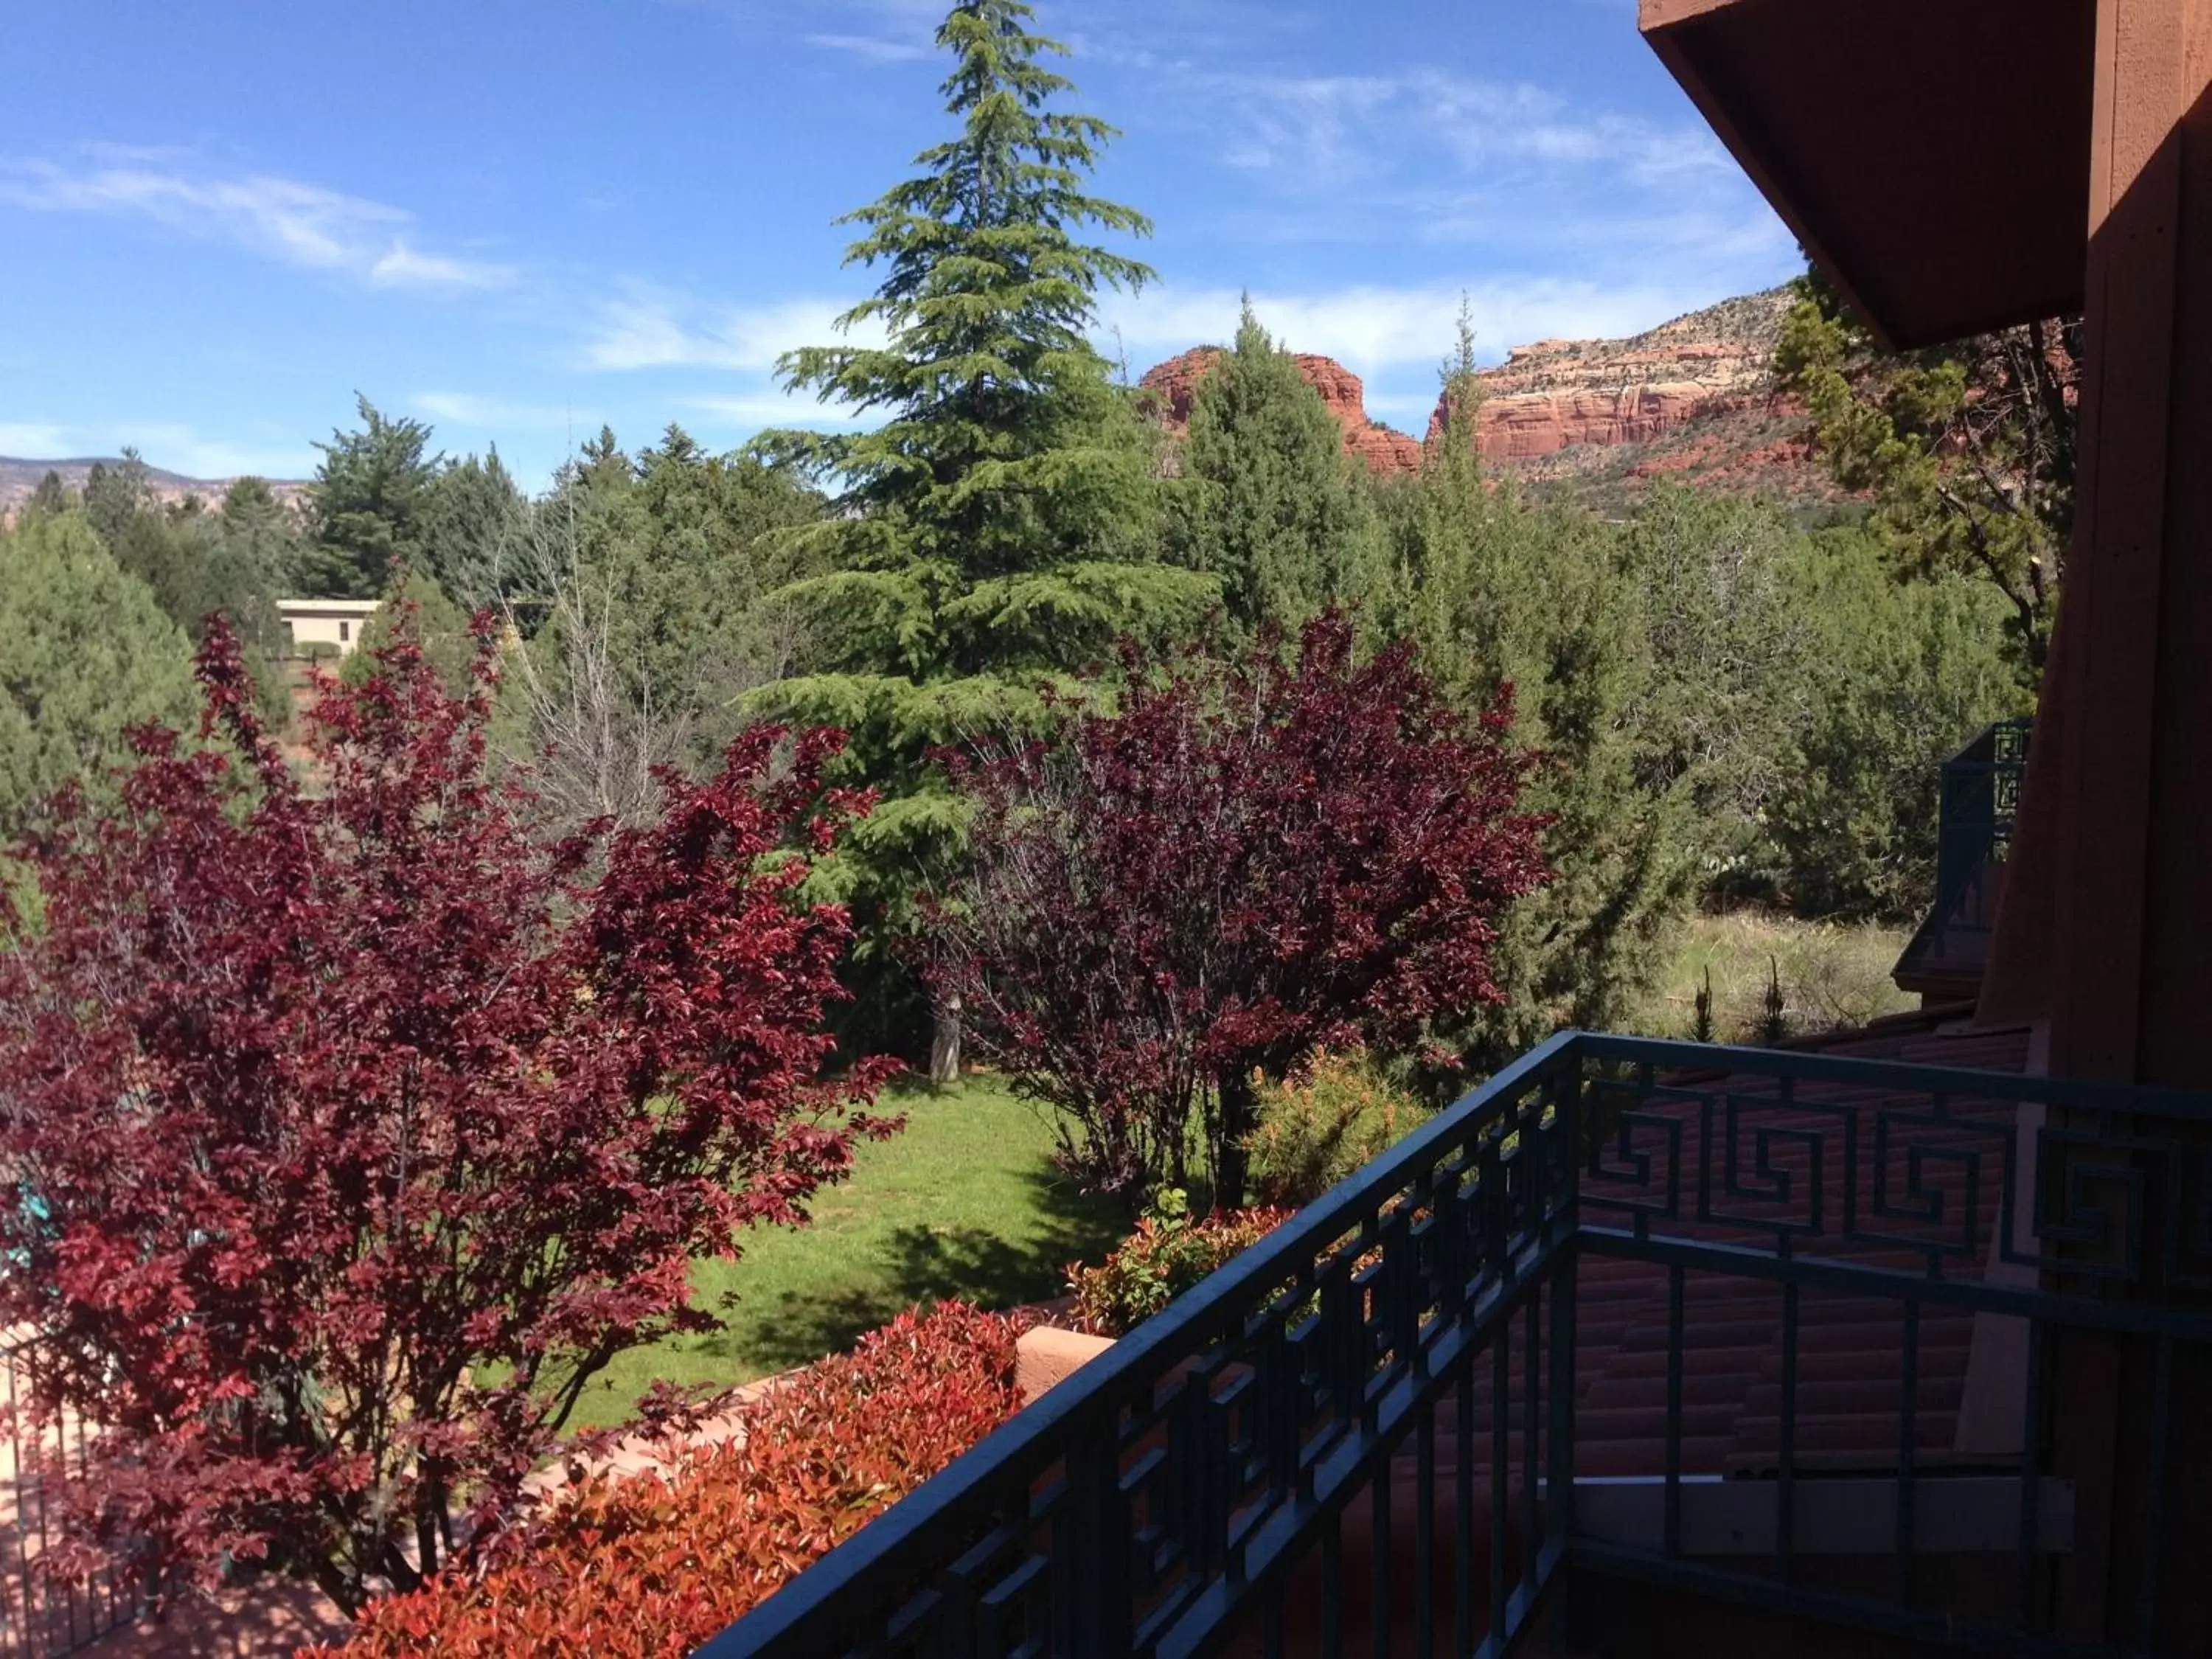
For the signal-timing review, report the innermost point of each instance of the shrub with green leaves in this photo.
(1169, 1252)
(1325, 1124)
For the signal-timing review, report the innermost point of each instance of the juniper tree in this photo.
(1002, 527)
(85, 656)
(1968, 448)
(1497, 593)
(1268, 500)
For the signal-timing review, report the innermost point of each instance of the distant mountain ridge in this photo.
(1596, 421)
(1592, 421)
(20, 479)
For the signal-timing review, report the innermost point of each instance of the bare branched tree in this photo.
(590, 721)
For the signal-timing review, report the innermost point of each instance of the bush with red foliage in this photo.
(1234, 868)
(656, 1563)
(349, 1130)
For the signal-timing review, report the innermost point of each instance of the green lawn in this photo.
(964, 1203)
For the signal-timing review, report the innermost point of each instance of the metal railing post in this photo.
(1560, 1407)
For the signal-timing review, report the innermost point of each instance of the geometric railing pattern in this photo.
(1365, 1428)
(1978, 809)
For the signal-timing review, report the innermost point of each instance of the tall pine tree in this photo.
(369, 506)
(1002, 527)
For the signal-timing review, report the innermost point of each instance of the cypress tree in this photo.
(1002, 527)
(1267, 500)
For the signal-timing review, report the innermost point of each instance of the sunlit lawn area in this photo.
(965, 1203)
(1832, 974)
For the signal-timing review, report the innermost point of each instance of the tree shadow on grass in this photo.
(927, 1264)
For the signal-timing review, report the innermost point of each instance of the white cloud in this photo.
(654, 329)
(287, 220)
(872, 48)
(768, 408)
(170, 445)
(177, 448)
(404, 266)
(32, 440)
(1433, 156)
(466, 408)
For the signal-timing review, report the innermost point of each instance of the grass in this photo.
(964, 1203)
(1832, 975)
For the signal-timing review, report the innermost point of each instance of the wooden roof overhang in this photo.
(1932, 155)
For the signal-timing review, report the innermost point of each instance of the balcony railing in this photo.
(44, 1616)
(1783, 1329)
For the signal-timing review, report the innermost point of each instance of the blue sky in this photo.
(519, 219)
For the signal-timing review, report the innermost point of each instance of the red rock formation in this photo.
(1695, 396)
(1176, 383)
(1557, 394)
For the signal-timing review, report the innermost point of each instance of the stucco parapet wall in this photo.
(1045, 1356)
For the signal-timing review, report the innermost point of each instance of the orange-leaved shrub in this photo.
(655, 1564)
(1168, 1253)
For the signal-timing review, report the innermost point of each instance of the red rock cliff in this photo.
(1692, 397)
(1175, 383)
(1557, 394)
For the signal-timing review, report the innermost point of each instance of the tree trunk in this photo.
(1232, 1161)
(944, 1042)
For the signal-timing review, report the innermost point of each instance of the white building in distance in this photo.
(334, 623)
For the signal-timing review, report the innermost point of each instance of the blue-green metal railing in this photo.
(42, 1616)
(1979, 804)
(1213, 1478)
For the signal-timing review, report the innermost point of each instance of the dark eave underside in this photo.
(1933, 155)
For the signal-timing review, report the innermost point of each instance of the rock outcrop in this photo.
(1559, 394)
(1175, 383)
(1598, 420)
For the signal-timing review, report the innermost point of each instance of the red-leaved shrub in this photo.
(655, 1564)
(348, 1129)
(1232, 867)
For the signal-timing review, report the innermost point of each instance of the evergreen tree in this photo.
(51, 498)
(198, 564)
(1904, 674)
(1733, 645)
(114, 496)
(1002, 526)
(85, 656)
(420, 611)
(1268, 502)
(472, 521)
(1497, 593)
(671, 561)
(1968, 448)
(369, 505)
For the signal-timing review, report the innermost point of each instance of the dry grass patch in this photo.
(1832, 975)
